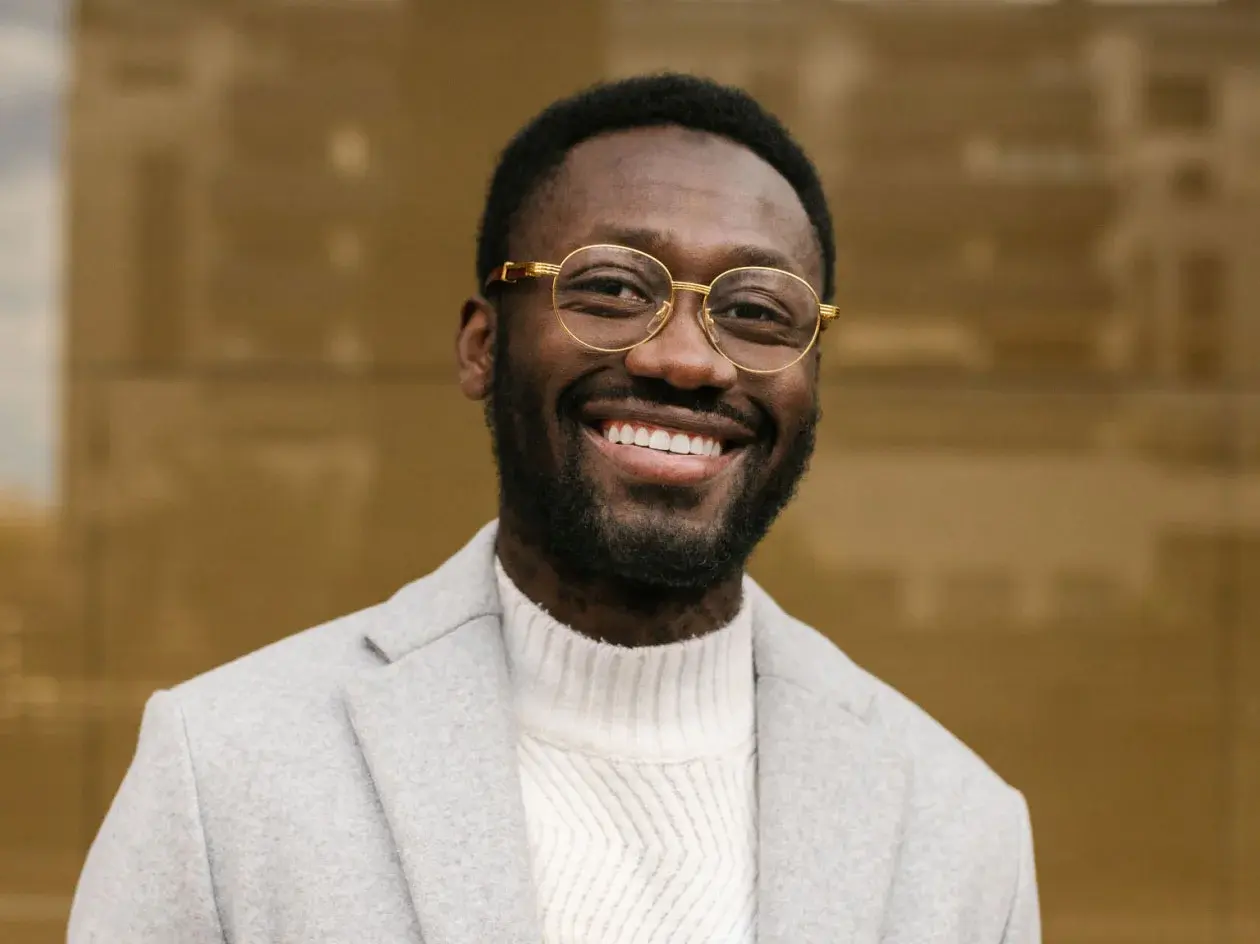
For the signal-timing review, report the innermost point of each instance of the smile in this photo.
(655, 454)
(661, 439)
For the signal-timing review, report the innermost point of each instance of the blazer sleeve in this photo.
(147, 875)
(1023, 924)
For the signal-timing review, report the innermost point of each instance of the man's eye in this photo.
(749, 311)
(613, 287)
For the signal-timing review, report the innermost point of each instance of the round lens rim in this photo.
(711, 329)
(668, 307)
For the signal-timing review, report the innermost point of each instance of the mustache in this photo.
(650, 391)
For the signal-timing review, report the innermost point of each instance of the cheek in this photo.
(792, 401)
(543, 364)
(528, 345)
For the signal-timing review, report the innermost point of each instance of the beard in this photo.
(558, 509)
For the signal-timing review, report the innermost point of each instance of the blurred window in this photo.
(1080, 596)
(868, 596)
(1179, 102)
(349, 152)
(1193, 181)
(1203, 312)
(1143, 295)
(138, 73)
(345, 249)
(160, 258)
(982, 597)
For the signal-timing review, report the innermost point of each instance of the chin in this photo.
(642, 528)
(694, 510)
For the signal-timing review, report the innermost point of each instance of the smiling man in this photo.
(589, 725)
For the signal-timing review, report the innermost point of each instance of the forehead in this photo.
(702, 200)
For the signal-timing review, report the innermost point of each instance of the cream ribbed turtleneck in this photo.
(638, 770)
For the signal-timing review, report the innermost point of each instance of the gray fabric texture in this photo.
(359, 782)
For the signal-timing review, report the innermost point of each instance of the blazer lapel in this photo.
(437, 730)
(831, 794)
(438, 733)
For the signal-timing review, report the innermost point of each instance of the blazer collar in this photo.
(464, 589)
(438, 733)
(832, 789)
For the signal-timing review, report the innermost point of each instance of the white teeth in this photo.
(662, 440)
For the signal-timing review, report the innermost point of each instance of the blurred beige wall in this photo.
(1035, 506)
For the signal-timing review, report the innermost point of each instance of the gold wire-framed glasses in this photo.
(612, 298)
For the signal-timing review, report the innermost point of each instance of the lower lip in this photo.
(660, 468)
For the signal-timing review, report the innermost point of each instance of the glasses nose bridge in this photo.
(661, 324)
(694, 288)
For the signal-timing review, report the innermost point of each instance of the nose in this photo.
(680, 353)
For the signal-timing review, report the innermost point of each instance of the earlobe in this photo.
(474, 347)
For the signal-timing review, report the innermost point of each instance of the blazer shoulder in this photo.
(938, 755)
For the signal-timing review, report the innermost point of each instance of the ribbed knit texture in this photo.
(638, 767)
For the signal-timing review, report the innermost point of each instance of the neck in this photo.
(612, 610)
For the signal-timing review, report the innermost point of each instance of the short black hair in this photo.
(540, 147)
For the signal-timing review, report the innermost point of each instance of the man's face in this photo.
(623, 510)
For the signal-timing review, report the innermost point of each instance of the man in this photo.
(588, 725)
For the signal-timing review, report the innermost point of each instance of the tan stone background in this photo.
(1036, 502)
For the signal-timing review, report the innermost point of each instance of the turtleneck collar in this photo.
(671, 702)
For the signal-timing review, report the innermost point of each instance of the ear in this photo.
(474, 347)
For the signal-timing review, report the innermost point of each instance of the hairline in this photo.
(549, 178)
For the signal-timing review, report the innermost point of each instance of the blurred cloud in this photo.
(29, 123)
(30, 58)
(42, 14)
(32, 63)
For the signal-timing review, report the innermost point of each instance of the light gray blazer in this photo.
(358, 783)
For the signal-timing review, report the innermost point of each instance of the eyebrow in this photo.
(661, 243)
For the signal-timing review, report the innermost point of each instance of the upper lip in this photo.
(725, 430)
